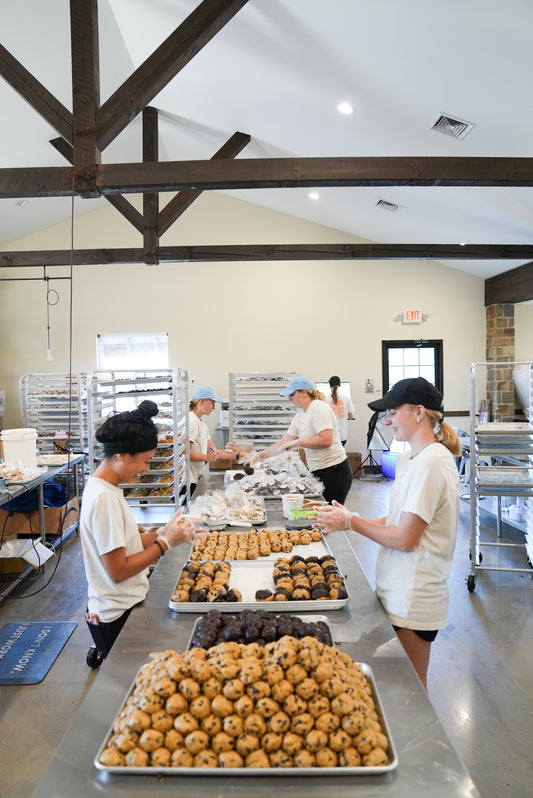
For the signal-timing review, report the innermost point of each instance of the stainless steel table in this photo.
(428, 764)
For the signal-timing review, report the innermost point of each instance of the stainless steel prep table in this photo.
(428, 764)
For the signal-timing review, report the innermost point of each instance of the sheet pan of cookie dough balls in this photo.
(293, 703)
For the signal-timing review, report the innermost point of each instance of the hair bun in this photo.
(147, 409)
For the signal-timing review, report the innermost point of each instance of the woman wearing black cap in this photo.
(116, 555)
(417, 537)
(342, 406)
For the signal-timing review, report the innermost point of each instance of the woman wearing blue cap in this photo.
(417, 536)
(315, 430)
(203, 449)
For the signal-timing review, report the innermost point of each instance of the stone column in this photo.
(500, 347)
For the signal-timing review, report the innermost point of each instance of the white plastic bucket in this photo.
(20, 446)
(291, 501)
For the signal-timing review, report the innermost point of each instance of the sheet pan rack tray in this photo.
(261, 772)
(247, 576)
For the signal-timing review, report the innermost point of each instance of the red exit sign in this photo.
(412, 316)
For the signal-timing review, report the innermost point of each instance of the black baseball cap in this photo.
(412, 391)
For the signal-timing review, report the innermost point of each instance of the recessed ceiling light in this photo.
(314, 195)
(345, 108)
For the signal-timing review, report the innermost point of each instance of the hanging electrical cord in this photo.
(52, 298)
(69, 471)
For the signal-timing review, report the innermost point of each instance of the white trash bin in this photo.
(20, 446)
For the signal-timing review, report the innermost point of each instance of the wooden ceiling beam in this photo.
(85, 94)
(150, 199)
(515, 285)
(184, 199)
(164, 64)
(35, 94)
(225, 174)
(270, 252)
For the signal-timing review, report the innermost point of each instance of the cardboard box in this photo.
(56, 520)
(354, 458)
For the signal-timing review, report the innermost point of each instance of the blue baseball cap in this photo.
(205, 392)
(298, 383)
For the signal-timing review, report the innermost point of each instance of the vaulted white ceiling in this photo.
(278, 71)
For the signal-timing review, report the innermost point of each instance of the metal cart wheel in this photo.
(94, 657)
(471, 582)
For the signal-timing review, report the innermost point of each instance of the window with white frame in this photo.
(132, 351)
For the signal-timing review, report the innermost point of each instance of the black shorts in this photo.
(424, 634)
(337, 481)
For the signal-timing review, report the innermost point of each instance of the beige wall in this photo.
(317, 318)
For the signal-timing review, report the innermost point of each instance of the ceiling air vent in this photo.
(457, 128)
(387, 206)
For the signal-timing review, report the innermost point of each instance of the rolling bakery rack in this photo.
(257, 412)
(166, 486)
(501, 468)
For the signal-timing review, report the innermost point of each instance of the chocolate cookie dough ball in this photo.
(264, 595)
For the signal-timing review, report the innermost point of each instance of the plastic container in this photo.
(388, 463)
(60, 442)
(20, 446)
(291, 501)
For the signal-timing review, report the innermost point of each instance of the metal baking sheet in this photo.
(247, 576)
(317, 548)
(306, 618)
(262, 772)
(510, 477)
(504, 428)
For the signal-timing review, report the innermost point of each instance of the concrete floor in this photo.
(480, 679)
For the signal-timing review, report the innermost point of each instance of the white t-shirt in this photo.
(198, 436)
(412, 586)
(307, 424)
(343, 407)
(106, 524)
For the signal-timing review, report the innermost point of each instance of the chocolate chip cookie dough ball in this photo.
(137, 758)
(111, 757)
(197, 741)
(315, 740)
(304, 759)
(185, 723)
(222, 742)
(326, 758)
(244, 706)
(280, 759)
(291, 743)
(173, 740)
(349, 758)
(205, 759)
(255, 724)
(246, 743)
(257, 759)
(160, 758)
(151, 739)
(162, 721)
(375, 758)
(230, 759)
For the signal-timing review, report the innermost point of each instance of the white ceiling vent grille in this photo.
(457, 128)
(385, 205)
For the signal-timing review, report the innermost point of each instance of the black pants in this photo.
(337, 481)
(105, 634)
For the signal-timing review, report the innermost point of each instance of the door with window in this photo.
(403, 359)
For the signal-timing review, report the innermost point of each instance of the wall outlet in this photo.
(193, 381)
